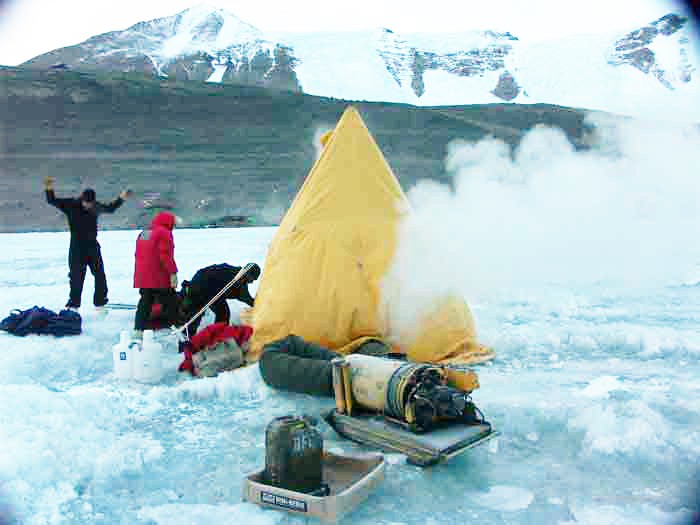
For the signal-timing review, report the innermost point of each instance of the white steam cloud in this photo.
(626, 212)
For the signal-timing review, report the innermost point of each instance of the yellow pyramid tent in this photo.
(322, 276)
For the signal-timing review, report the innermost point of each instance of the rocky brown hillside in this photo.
(212, 152)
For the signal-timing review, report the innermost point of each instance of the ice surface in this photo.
(179, 514)
(595, 389)
(581, 441)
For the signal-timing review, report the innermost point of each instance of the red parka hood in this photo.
(164, 219)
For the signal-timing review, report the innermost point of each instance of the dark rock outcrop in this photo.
(634, 49)
(282, 75)
(507, 88)
(407, 63)
(195, 67)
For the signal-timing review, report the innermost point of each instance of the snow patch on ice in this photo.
(128, 454)
(602, 386)
(632, 427)
(245, 384)
(616, 515)
(183, 514)
(532, 436)
(505, 498)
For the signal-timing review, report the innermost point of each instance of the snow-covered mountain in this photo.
(649, 70)
(200, 43)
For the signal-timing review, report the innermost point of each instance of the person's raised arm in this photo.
(51, 196)
(112, 206)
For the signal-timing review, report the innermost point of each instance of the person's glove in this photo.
(173, 281)
(48, 183)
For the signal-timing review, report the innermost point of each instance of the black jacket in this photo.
(82, 223)
(209, 281)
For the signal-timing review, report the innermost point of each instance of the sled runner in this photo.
(120, 306)
(411, 408)
(430, 448)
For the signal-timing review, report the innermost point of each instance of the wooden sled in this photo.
(424, 449)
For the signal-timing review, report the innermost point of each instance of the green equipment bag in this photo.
(223, 356)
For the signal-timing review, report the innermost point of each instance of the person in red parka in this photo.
(155, 271)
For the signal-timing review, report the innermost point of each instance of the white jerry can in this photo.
(123, 357)
(148, 366)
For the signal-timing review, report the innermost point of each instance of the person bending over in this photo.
(206, 284)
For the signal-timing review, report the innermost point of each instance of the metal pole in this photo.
(237, 278)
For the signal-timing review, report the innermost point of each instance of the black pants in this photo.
(82, 255)
(166, 297)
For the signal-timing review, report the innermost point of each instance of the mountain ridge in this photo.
(206, 43)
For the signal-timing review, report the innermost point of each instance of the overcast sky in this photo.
(31, 27)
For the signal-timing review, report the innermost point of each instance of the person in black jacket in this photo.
(208, 282)
(84, 251)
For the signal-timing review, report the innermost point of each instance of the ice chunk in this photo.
(602, 386)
